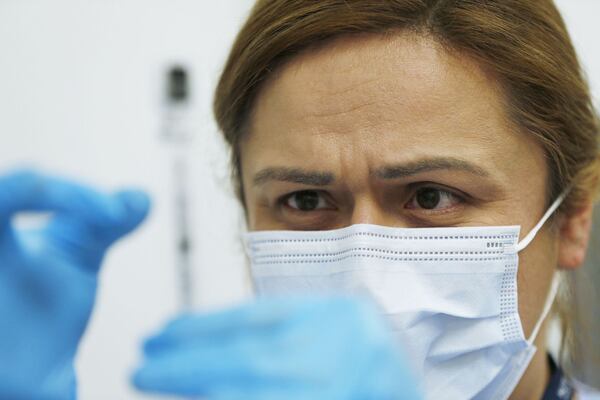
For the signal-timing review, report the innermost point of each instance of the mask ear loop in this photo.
(547, 307)
(531, 235)
(555, 279)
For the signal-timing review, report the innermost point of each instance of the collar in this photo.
(559, 387)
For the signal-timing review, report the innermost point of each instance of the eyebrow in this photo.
(294, 175)
(429, 165)
(388, 172)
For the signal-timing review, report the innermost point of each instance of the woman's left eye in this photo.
(431, 198)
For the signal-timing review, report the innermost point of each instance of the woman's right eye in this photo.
(306, 201)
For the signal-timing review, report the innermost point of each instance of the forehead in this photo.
(355, 69)
(400, 96)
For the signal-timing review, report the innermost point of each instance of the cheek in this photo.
(537, 264)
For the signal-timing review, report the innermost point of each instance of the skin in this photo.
(366, 124)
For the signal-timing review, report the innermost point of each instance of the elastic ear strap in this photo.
(531, 235)
(547, 307)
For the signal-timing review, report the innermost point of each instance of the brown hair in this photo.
(523, 42)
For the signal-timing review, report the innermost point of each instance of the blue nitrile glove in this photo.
(48, 277)
(273, 349)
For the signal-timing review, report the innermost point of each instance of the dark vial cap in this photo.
(178, 84)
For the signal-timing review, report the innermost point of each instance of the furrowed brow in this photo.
(293, 175)
(429, 165)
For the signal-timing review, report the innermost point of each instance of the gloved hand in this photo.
(273, 349)
(48, 277)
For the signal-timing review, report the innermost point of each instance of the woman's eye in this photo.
(307, 200)
(430, 198)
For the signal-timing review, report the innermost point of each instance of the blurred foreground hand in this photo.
(48, 277)
(274, 349)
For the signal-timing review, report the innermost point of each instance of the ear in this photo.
(575, 230)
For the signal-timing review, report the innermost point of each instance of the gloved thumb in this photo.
(134, 207)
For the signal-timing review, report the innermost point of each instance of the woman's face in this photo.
(396, 132)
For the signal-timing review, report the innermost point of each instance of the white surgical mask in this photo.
(449, 293)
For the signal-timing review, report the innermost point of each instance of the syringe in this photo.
(176, 132)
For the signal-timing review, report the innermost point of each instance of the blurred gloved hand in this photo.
(273, 349)
(48, 277)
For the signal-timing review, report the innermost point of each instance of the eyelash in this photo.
(285, 199)
(459, 198)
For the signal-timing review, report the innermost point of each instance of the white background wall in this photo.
(80, 95)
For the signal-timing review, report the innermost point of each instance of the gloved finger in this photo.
(130, 208)
(32, 191)
(86, 242)
(187, 372)
(205, 370)
(271, 391)
(264, 317)
(260, 316)
(265, 394)
(133, 207)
